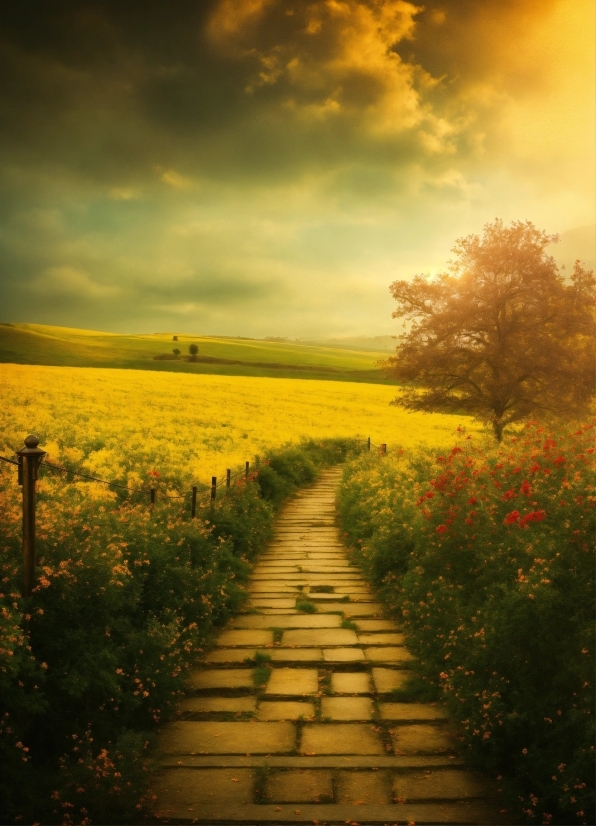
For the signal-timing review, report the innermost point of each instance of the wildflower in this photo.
(511, 518)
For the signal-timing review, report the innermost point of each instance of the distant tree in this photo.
(193, 349)
(501, 336)
(174, 338)
(176, 352)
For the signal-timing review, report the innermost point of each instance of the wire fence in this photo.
(30, 459)
(151, 491)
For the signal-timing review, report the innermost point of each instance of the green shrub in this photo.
(487, 554)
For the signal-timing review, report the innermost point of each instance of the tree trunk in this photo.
(498, 429)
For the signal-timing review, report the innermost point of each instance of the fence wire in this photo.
(200, 486)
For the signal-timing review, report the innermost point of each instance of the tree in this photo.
(502, 335)
(193, 349)
(176, 352)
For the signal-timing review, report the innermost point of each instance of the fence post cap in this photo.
(31, 448)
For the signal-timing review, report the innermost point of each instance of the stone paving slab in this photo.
(347, 708)
(285, 621)
(388, 654)
(421, 814)
(191, 737)
(343, 655)
(296, 654)
(446, 784)
(285, 710)
(381, 639)
(357, 682)
(250, 637)
(258, 602)
(179, 789)
(411, 711)
(424, 738)
(374, 625)
(219, 704)
(387, 680)
(229, 655)
(309, 786)
(320, 636)
(221, 678)
(269, 611)
(356, 609)
(293, 681)
(340, 738)
(360, 787)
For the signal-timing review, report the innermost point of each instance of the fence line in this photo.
(31, 458)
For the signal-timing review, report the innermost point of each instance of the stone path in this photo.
(291, 718)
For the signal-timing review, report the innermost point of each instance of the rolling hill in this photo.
(65, 346)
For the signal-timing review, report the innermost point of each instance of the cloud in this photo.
(260, 162)
(71, 282)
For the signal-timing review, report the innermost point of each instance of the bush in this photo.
(127, 596)
(488, 556)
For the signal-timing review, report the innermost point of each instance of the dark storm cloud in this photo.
(182, 157)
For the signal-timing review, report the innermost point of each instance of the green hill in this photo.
(65, 346)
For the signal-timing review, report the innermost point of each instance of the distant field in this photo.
(64, 346)
(123, 424)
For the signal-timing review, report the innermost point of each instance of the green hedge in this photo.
(488, 556)
(127, 597)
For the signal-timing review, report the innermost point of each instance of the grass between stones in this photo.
(260, 676)
(306, 606)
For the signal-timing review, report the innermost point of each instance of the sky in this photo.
(269, 167)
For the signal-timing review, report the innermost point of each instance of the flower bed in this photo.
(488, 555)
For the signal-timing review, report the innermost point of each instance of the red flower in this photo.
(442, 529)
(153, 473)
(560, 460)
(511, 518)
(509, 494)
(533, 516)
(534, 467)
(472, 500)
(525, 488)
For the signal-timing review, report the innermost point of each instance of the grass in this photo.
(260, 675)
(306, 606)
(259, 659)
(70, 347)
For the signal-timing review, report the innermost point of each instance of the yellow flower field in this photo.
(123, 424)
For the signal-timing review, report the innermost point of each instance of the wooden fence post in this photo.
(152, 494)
(369, 443)
(29, 459)
(383, 450)
(193, 503)
(247, 469)
(228, 477)
(213, 488)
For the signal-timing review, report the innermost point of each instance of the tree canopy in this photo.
(502, 335)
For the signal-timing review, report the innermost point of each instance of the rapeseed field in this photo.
(131, 426)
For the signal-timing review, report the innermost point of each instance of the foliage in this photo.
(487, 554)
(503, 336)
(127, 596)
(193, 349)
